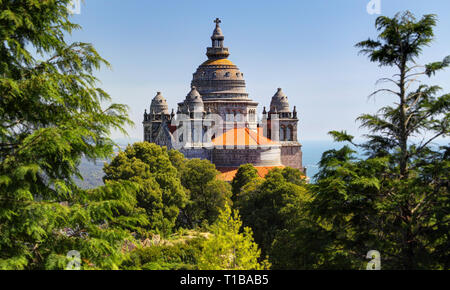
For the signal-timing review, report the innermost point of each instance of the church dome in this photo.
(218, 77)
(194, 101)
(159, 105)
(279, 102)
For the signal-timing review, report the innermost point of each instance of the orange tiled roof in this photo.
(228, 173)
(242, 137)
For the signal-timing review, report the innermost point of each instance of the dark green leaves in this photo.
(160, 192)
(51, 115)
(341, 136)
(396, 199)
(400, 40)
(432, 68)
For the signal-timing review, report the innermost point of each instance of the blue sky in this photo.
(305, 47)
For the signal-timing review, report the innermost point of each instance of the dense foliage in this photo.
(175, 254)
(230, 247)
(160, 191)
(51, 115)
(207, 194)
(267, 205)
(244, 175)
(397, 199)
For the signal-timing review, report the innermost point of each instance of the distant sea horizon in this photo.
(312, 153)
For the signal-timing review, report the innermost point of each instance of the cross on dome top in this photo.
(217, 33)
(217, 37)
(217, 50)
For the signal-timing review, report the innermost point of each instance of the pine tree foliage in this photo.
(161, 193)
(268, 205)
(51, 115)
(397, 199)
(229, 248)
(99, 226)
(207, 194)
(244, 175)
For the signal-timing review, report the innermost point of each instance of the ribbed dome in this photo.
(279, 102)
(218, 77)
(159, 105)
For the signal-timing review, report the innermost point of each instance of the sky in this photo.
(305, 47)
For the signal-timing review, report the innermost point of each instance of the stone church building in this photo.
(218, 121)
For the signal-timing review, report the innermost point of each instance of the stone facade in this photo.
(218, 100)
(291, 155)
(262, 156)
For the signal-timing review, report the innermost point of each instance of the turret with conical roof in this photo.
(287, 121)
(159, 105)
(157, 117)
(279, 103)
(194, 101)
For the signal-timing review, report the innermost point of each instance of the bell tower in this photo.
(281, 124)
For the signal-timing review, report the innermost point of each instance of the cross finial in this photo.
(217, 21)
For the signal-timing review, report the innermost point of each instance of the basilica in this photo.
(218, 121)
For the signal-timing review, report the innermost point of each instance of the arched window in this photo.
(282, 133)
(289, 133)
(253, 115)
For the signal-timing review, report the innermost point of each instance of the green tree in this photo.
(175, 255)
(208, 195)
(98, 224)
(315, 235)
(229, 248)
(293, 175)
(397, 199)
(244, 175)
(267, 205)
(161, 193)
(51, 115)
(307, 244)
(178, 160)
